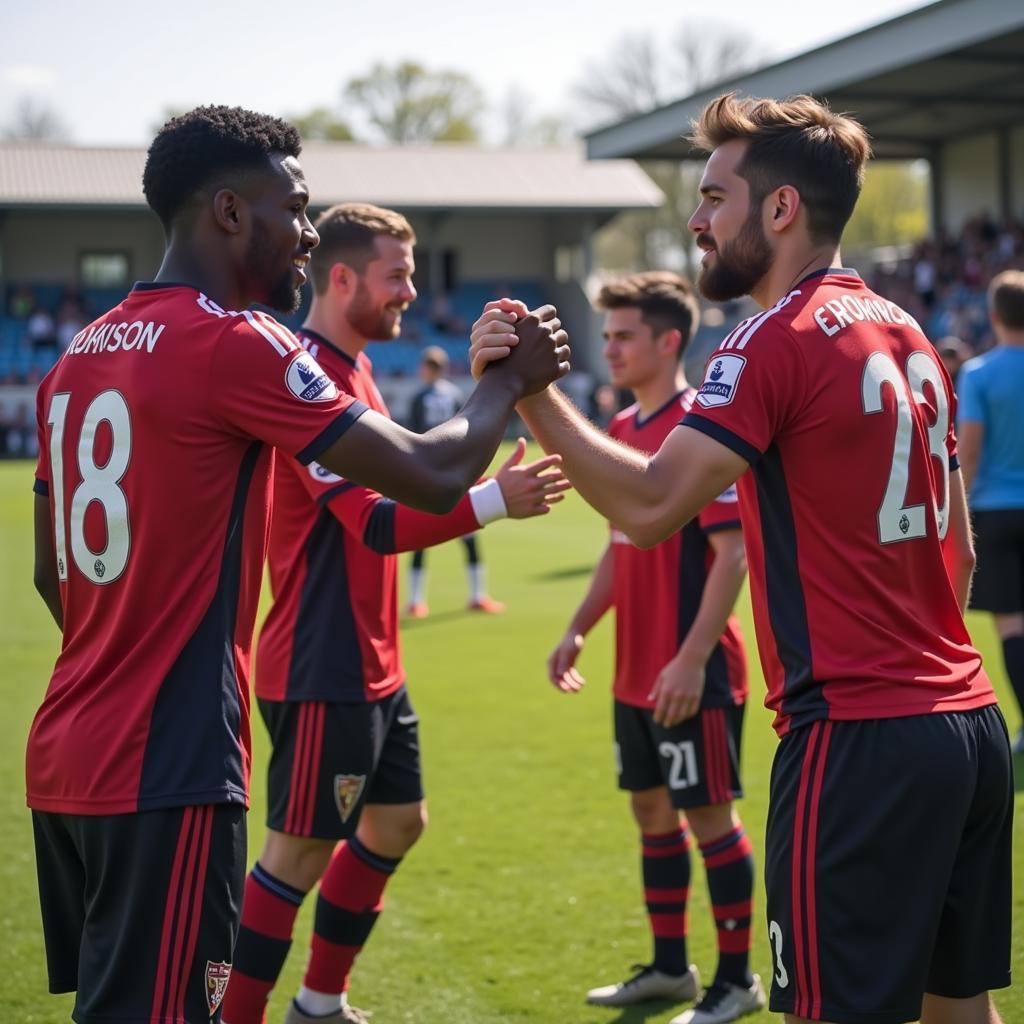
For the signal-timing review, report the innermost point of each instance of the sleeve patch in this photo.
(306, 381)
(322, 475)
(721, 380)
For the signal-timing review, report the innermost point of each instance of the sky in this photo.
(110, 68)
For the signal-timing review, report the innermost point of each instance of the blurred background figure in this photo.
(953, 353)
(438, 400)
(991, 449)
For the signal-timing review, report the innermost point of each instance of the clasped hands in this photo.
(534, 342)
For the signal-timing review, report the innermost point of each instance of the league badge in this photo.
(307, 381)
(322, 475)
(721, 380)
(347, 791)
(217, 976)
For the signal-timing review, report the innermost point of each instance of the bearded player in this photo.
(329, 676)
(832, 410)
(156, 431)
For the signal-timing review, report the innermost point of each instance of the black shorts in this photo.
(698, 760)
(328, 760)
(998, 584)
(887, 865)
(140, 911)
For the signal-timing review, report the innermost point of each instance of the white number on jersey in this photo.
(896, 520)
(100, 484)
(683, 771)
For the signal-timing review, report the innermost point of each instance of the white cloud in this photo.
(29, 77)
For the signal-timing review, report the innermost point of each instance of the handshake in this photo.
(530, 345)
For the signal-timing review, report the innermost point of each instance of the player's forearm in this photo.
(431, 471)
(415, 530)
(958, 544)
(969, 450)
(49, 591)
(598, 598)
(721, 589)
(460, 450)
(611, 477)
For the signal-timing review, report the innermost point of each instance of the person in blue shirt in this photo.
(991, 447)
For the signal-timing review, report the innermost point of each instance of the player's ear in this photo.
(670, 341)
(343, 278)
(228, 210)
(783, 206)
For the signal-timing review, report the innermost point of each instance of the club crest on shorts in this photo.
(216, 983)
(720, 380)
(347, 791)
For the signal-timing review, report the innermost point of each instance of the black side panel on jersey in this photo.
(194, 750)
(787, 608)
(325, 648)
(693, 562)
(379, 534)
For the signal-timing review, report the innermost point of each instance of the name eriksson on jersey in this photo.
(839, 313)
(111, 337)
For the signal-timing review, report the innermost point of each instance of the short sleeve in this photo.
(754, 384)
(971, 399)
(722, 514)
(41, 485)
(267, 386)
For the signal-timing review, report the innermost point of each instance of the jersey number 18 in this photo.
(99, 484)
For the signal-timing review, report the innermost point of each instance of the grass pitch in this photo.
(524, 892)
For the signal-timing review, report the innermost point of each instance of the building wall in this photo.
(1017, 171)
(971, 177)
(45, 246)
(491, 246)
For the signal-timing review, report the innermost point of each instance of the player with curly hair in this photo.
(156, 438)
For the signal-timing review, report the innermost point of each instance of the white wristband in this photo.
(488, 502)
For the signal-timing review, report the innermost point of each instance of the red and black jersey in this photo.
(843, 410)
(154, 437)
(658, 591)
(332, 632)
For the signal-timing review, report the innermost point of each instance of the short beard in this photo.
(739, 264)
(369, 321)
(282, 295)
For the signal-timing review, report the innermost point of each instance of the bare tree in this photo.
(406, 103)
(629, 81)
(522, 127)
(707, 52)
(35, 120)
(637, 74)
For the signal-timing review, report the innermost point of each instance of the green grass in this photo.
(524, 891)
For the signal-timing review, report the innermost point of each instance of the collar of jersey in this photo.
(321, 340)
(639, 421)
(830, 272)
(152, 286)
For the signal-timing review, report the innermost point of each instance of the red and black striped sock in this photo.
(665, 865)
(729, 861)
(268, 916)
(351, 896)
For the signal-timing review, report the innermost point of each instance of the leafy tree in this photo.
(322, 124)
(407, 103)
(893, 206)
